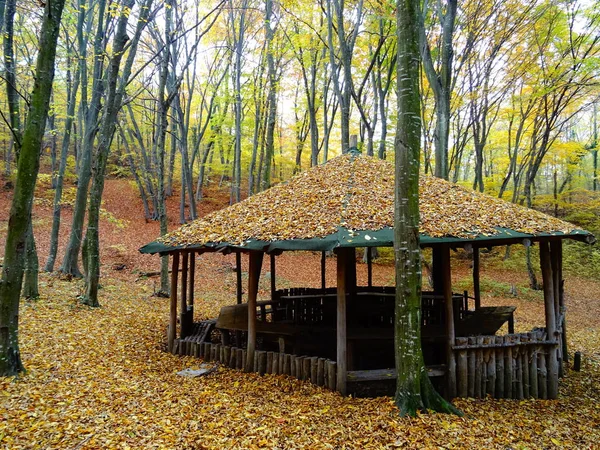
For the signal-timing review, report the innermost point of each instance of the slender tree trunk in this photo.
(27, 171)
(112, 106)
(72, 99)
(414, 390)
(70, 261)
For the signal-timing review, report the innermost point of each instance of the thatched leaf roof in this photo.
(349, 201)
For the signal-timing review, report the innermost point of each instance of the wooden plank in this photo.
(314, 361)
(256, 259)
(549, 307)
(173, 310)
(388, 374)
(306, 372)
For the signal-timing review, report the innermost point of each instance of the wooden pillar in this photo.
(323, 282)
(561, 301)
(173, 311)
(238, 276)
(437, 273)
(273, 286)
(183, 313)
(446, 281)
(549, 307)
(369, 266)
(555, 258)
(192, 280)
(344, 263)
(476, 285)
(255, 265)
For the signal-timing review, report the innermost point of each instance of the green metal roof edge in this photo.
(351, 238)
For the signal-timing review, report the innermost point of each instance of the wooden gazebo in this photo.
(342, 337)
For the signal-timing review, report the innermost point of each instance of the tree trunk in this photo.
(70, 261)
(27, 171)
(414, 390)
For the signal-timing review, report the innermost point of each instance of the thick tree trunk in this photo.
(27, 171)
(414, 390)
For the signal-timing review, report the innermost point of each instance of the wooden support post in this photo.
(272, 259)
(559, 306)
(549, 307)
(183, 313)
(192, 280)
(238, 276)
(369, 266)
(446, 271)
(476, 285)
(344, 262)
(173, 311)
(256, 259)
(323, 282)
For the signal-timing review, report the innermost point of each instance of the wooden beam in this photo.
(344, 256)
(476, 283)
(255, 265)
(173, 311)
(183, 313)
(273, 285)
(238, 276)
(446, 280)
(548, 285)
(323, 282)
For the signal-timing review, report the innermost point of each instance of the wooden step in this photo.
(389, 374)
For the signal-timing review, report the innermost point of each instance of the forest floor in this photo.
(97, 378)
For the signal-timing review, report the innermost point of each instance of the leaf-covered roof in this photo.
(354, 193)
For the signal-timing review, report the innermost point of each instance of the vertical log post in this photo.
(446, 272)
(173, 311)
(476, 285)
(323, 282)
(183, 314)
(273, 286)
(238, 276)
(369, 266)
(343, 267)
(559, 301)
(256, 259)
(552, 363)
(191, 283)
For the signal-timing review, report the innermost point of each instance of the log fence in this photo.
(319, 371)
(512, 366)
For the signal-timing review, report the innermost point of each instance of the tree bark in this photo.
(27, 171)
(414, 390)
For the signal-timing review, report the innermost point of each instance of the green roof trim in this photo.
(381, 238)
